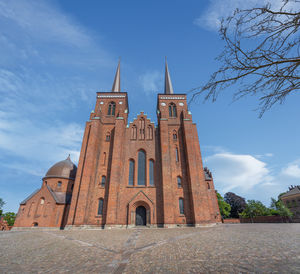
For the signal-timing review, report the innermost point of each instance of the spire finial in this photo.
(168, 83)
(69, 158)
(117, 85)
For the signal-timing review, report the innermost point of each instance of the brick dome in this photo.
(63, 169)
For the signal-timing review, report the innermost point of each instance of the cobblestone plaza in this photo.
(238, 248)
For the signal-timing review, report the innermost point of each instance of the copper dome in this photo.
(63, 169)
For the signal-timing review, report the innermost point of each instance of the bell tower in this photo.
(183, 178)
(99, 161)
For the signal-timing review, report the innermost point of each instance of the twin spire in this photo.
(168, 84)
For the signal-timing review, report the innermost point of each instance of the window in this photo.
(142, 168)
(111, 108)
(133, 132)
(177, 155)
(181, 207)
(142, 128)
(174, 135)
(100, 207)
(42, 201)
(59, 184)
(103, 181)
(104, 158)
(131, 173)
(107, 138)
(72, 186)
(208, 186)
(172, 110)
(151, 173)
(179, 182)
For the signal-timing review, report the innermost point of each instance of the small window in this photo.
(208, 185)
(177, 155)
(59, 184)
(111, 108)
(42, 201)
(100, 207)
(174, 135)
(181, 206)
(103, 181)
(179, 184)
(107, 138)
(131, 173)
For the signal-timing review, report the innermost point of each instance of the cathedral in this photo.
(129, 174)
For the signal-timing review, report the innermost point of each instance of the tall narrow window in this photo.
(142, 168)
(208, 186)
(133, 132)
(172, 110)
(131, 173)
(104, 158)
(142, 128)
(103, 181)
(177, 155)
(150, 133)
(181, 206)
(100, 207)
(151, 173)
(107, 138)
(179, 182)
(111, 108)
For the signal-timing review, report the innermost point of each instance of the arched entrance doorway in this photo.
(140, 215)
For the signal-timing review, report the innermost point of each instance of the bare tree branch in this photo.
(261, 55)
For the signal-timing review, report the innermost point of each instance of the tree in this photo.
(237, 203)
(2, 203)
(280, 208)
(10, 218)
(261, 53)
(223, 206)
(254, 209)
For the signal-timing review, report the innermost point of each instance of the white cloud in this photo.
(219, 9)
(292, 169)
(151, 81)
(235, 171)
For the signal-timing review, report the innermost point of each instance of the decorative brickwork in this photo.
(137, 173)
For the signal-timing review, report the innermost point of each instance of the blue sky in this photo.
(55, 56)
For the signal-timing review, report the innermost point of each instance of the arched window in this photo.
(150, 133)
(208, 186)
(100, 207)
(181, 206)
(133, 132)
(111, 108)
(172, 110)
(142, 128)
(151, 173)
(174, 135)
(42, 201)
(179, 184)
(131, 173)
(177, 154)
(103, 181)
(59, 183)
(141, 168)
(107, 138)
(40, 207)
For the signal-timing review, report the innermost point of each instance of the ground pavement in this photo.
(237, 248)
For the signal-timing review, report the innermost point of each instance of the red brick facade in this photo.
(135, 173)
(109, 144)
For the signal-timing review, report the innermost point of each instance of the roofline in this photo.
(61, 177)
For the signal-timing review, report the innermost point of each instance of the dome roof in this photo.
(63, 169)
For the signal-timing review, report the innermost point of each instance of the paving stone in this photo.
(238, 248)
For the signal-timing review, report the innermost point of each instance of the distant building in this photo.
(291, 199)
(129, 174)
